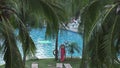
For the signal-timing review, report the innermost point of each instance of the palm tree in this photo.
(9, 46)
(18, 8)
(72, 47)
(101, 34)
(52, 18)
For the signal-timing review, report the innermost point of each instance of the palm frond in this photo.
(104, 52)
(94, 22)
(27, 43)
(72, 47)
(51, 11)
(11, 52)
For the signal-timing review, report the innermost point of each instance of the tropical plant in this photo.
(9, 47)
(47, 10)
(101, 34)
(72, 47)
(13, 14)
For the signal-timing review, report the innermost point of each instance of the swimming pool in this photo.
(45, 47)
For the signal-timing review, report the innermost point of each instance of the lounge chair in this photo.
(59, 65)
(34, 65)
(67, 65)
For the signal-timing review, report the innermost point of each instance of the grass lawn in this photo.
(51, 63)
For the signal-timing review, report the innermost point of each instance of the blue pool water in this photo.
(45, 47)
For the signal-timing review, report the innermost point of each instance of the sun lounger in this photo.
(67, 65)
(34, 65)
(59, 65)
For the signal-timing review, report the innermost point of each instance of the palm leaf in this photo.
(52, 13)
(93, 18)
(73, 46)
(104, 52)
(11, 52)
(110, 38)
(27, 43)
(90, 19)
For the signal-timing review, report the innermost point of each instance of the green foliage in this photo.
(101, 30)
(52, 13)
(21, 15)
(10, 50)
(72, 47)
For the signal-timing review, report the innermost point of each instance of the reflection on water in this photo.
(45, 47)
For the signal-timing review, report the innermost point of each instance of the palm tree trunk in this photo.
(56, 48)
